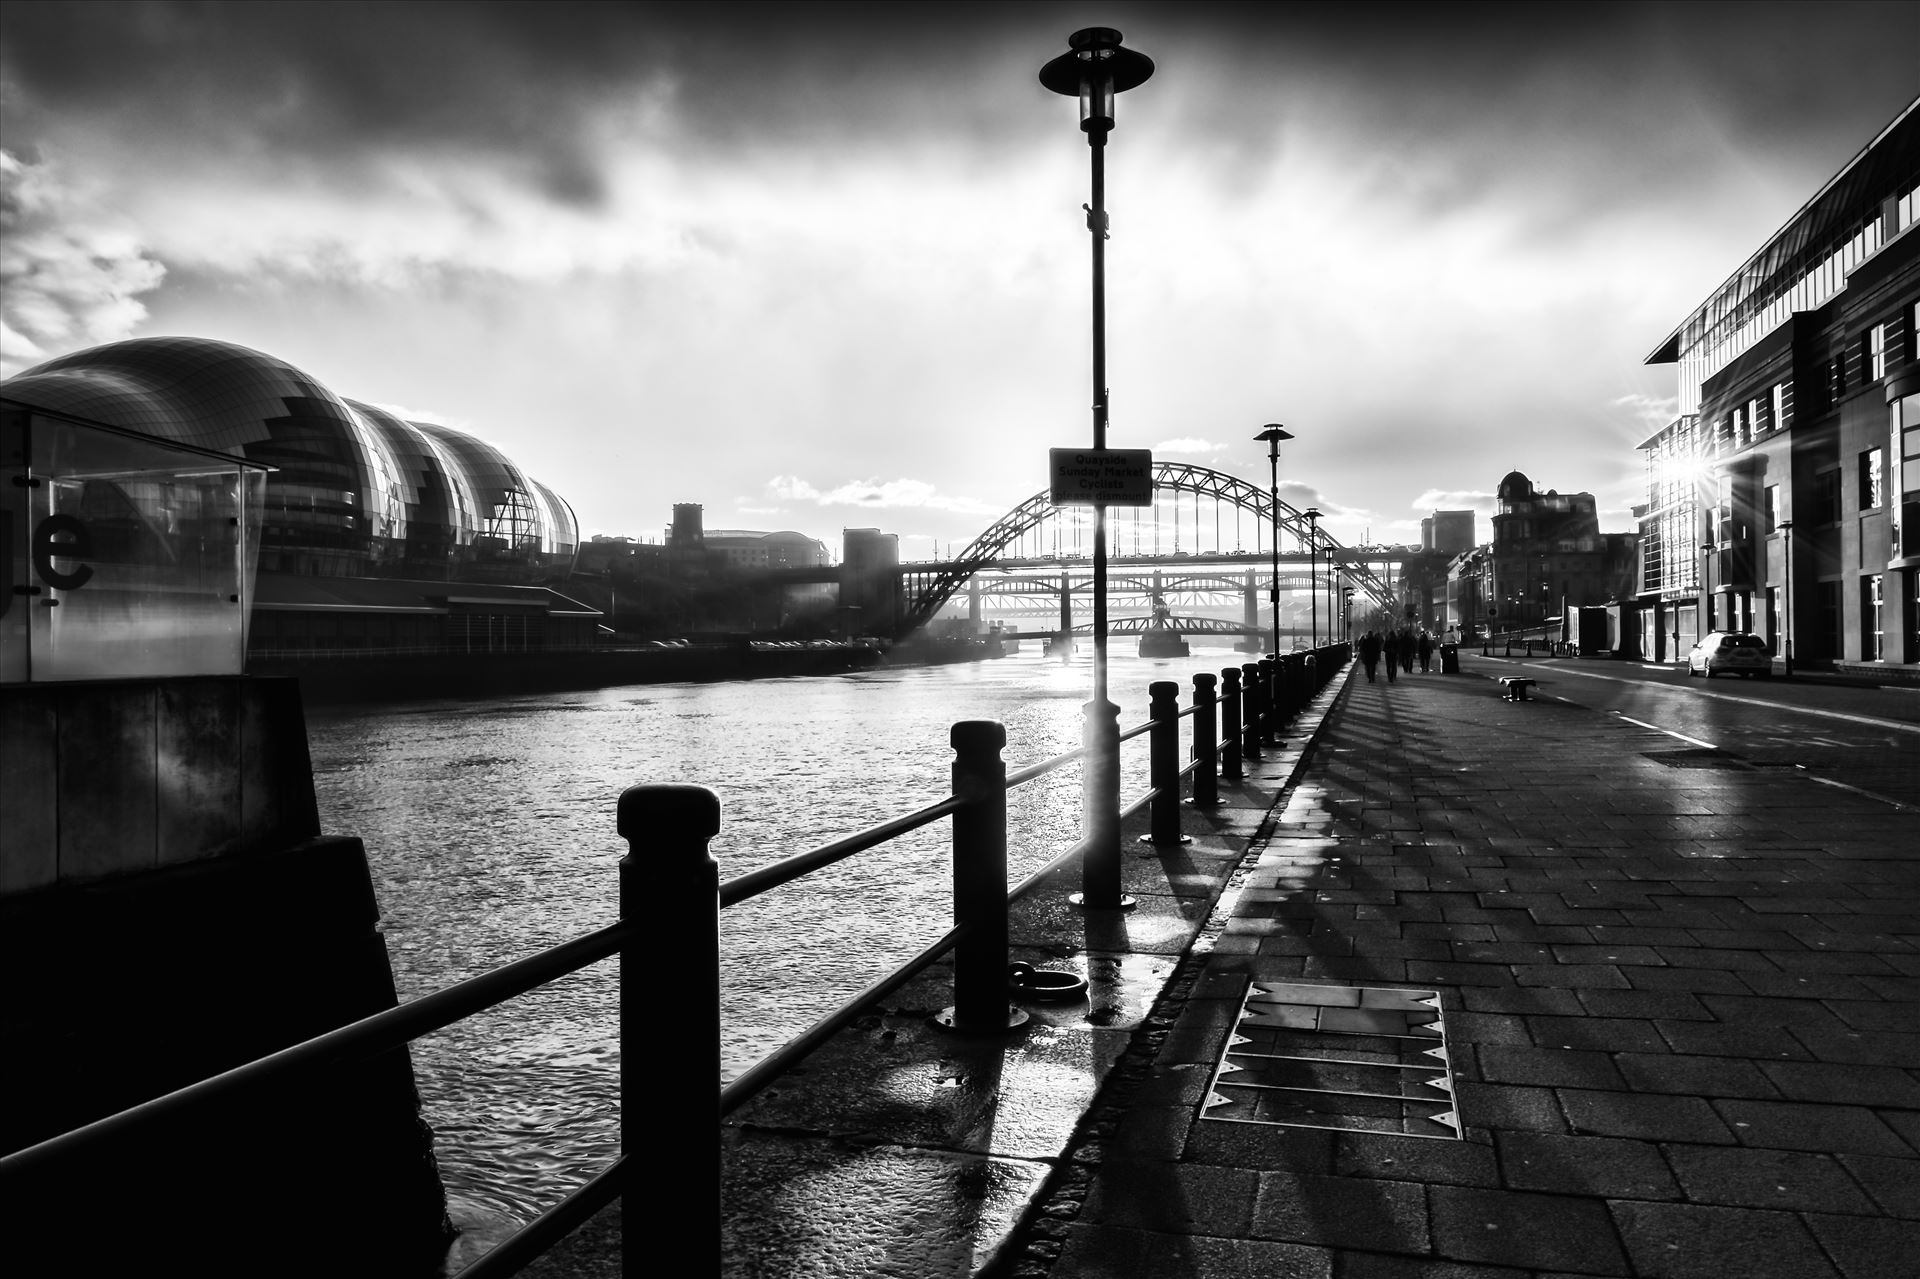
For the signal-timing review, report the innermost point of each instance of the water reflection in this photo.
(490, 827)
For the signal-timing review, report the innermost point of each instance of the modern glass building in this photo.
(1784, 498)
(355, 491)
(371, 533)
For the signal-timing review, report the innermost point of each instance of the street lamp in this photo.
(1313, 573)
(1094, 69)
(1786, 569)
(1273, 434)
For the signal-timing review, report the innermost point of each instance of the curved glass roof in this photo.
(355, 491)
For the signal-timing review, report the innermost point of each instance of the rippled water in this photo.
(490, 827)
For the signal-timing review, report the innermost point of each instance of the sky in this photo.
(825, 266)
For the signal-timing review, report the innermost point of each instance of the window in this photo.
(1779, 405)
(1872, 618)
(1876, 352)
(1773, 507)
(1826, 609)
(1737, 435)
(1757, 420)
(1826, 497)
(1836, 379)
(1872, 493)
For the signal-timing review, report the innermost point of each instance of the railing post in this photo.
(1230, 723)
(1163, 765)
(1272, 694)
(1252, 712)
(677, 889)
(980, 1004)
(1206, 743)
(1100, 811)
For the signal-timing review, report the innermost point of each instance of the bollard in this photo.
(676, 888)
(1230, 724)
(1100, 867)
(1163, 770)
(1253, 710)
(1275, 702)
(1206, 743)
(1310, 681)
(980, 1004)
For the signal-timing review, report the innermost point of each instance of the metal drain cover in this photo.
(1360, 1058)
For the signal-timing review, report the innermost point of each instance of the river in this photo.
(490, 828)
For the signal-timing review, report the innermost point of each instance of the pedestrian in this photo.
(1392, 646)
(1426, 652)
(1370, 652)
(1406, 651)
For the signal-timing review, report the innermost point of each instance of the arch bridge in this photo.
(1036, 537)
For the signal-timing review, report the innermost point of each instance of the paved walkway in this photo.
(1679, 1002)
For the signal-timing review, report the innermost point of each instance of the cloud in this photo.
(1188, 444)
(1653, 412)
(406, 414)
(877, 493)
(1454, 500)
(69, 276)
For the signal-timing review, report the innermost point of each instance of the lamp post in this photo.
(1094, 69)
(1273, 434)
(1786, 571)
(1313, 574)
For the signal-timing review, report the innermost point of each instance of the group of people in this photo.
(1400, 647)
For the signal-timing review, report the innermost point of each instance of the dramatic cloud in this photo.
(877, 493)
(1455, 500)
(1188, 445)
(69, 275)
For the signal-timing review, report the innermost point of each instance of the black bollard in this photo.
(1271, 694)
(1230, 724)
(980, 1004)
(1206, 743)
(1163, 767)
(669, 878)
(1253, 710)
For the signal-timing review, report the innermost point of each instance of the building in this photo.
(1784, 498)
(1548, 555)
(373, 532)
(869, 581)
(1447, 532)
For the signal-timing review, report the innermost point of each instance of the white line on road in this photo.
(1869, 720)
(1828, 781)
(1668, 731)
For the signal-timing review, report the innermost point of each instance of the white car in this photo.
(1723, 652)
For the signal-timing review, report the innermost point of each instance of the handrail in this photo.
(1272, 690)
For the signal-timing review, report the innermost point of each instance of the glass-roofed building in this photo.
(368, 519)
(1784, 499)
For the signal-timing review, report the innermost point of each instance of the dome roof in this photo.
(355, 490)
(1515, 485)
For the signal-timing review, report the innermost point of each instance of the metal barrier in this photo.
(667, 829)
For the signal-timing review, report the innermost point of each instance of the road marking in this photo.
(1691, 741)
(1868, 720)
(1828, 781)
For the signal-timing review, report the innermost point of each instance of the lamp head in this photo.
(1094, 69)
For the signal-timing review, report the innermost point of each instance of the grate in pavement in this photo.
(1349, 1057)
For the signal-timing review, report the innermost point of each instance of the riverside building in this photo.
(1784, 498)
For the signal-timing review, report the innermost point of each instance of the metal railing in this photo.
(667, 829)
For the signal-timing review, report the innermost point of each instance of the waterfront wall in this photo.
(171, 911)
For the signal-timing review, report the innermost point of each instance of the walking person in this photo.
(1406, 651)
(1426, 652)
(1370, 652)
(1392, 646)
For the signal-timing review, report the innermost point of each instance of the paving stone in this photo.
(1894, 1183)
(1486, 1028)
(1783, 1179)
(1397, 1158)
(1570, 976)
(1380, 1265)
(1512, 1228)
(1693, 1241)
(1342, 1212)
(1115, 1252)
(1869, 1248)
(1841, 1082)
(1786, 1125)
(1515, 1000)
(1718, 1039)
(1605, 1167)
(1648, 1116)
(1696, 980)
(1260, 1146)
(1603, 1034)
(1175, 1198)
(1504, 1064)
(1528, 1109)
(1868, 1048)
(1696, 1075)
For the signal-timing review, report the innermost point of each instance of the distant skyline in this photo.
(825, 266)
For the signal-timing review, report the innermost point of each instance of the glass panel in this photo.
(138, 556)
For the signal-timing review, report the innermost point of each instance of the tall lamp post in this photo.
(1313, 573)
(1094, 69)
(1786, 570)
(1273, 434)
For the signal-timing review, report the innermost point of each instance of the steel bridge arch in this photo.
(934, 589)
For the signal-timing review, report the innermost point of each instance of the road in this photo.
(1865, 739)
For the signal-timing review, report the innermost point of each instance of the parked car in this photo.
(1724, 652)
